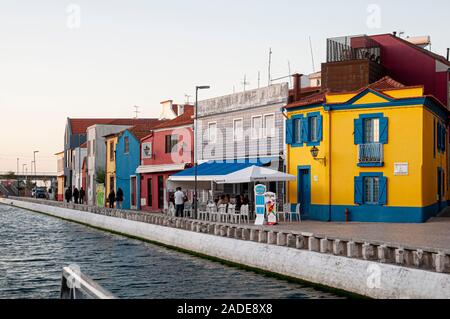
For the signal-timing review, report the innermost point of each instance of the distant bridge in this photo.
(42, 176)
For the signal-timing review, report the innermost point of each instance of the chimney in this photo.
(167, 112)
(297, 85)
(448, 54)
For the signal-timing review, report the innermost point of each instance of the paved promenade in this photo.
(434, 234)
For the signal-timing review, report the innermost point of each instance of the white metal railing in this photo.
(370, 153)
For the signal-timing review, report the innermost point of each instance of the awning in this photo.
(255, 174)
(215, 171)
(160, 168)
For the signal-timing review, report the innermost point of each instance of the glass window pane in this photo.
(297, 130)
(313, 129)
(256, 127)
(269, 125)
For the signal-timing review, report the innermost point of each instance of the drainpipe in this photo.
(329, 166)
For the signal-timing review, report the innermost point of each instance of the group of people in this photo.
(77, 195)
(239, 200)
(115, 198)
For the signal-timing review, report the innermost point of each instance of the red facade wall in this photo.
(401, 61)
(160, 157)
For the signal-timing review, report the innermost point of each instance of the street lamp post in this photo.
(35, 181)
(204, 87)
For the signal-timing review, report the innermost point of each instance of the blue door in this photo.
(304, 191)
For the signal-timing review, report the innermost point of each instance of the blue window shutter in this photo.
(383, 191)
(289, 131)
(358, 127)
(319, 128)
(305, 130)
(359, 190)
(384, 130)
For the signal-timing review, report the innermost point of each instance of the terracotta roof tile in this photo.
(184, 119)
(79, 126)
(385, 84)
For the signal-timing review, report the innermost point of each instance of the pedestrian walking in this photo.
(179, 202)
(82, 195)
(76, 195)
(68, 194)
(119, 198)
(111, 198)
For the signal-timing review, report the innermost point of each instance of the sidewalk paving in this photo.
(434, 235)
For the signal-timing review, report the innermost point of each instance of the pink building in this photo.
(167, 150)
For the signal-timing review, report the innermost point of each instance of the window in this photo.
(212, 132)
(371, 190)
(298, 131)
(312, 125)
(111, 151)
(256, 127)
(238, 130)
(126, 145)
(171, 143)
(371, 130)
(269, 125)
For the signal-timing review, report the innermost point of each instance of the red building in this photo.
(167, 150)
(401, 60)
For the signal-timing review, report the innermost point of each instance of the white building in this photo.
(78, 156)
(96, 155)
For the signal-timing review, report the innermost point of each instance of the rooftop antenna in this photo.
(270, 62)
(136, 111)
(234, 89)
(312, 55)
(186, 98)
(244, 83)
(289, 70)
(259, 78)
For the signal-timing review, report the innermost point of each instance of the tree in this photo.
(100, 176)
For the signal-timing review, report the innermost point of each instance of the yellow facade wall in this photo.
(410, 140)
(110, 170)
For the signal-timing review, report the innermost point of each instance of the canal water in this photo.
(35, 247)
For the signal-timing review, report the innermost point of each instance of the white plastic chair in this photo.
(213, 215)
(286, 211)
(187, 212)
(245, 213)
(232, 216)
(222, 211)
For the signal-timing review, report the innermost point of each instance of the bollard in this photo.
(368, 251)
(238, 233)
(300, 242)
(231, 232)
(440, 261)
(383, 254)
(291, 240)
(399, 256)
(339, 247)
(262, 236)
(246, 234)
(313, 244)
(271, 238)
(281, 239)
(324, 245)
(352, 250)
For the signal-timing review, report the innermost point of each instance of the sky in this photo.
(96, 58)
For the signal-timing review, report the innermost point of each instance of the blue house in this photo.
(127, 161)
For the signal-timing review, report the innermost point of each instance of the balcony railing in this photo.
(370, 153)
(353, 48)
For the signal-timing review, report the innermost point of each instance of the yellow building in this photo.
(60, 176)
(110, 171)
(379, 154)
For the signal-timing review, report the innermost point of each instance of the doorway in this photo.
(304, 190)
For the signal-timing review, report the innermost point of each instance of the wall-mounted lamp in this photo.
(315, 153)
